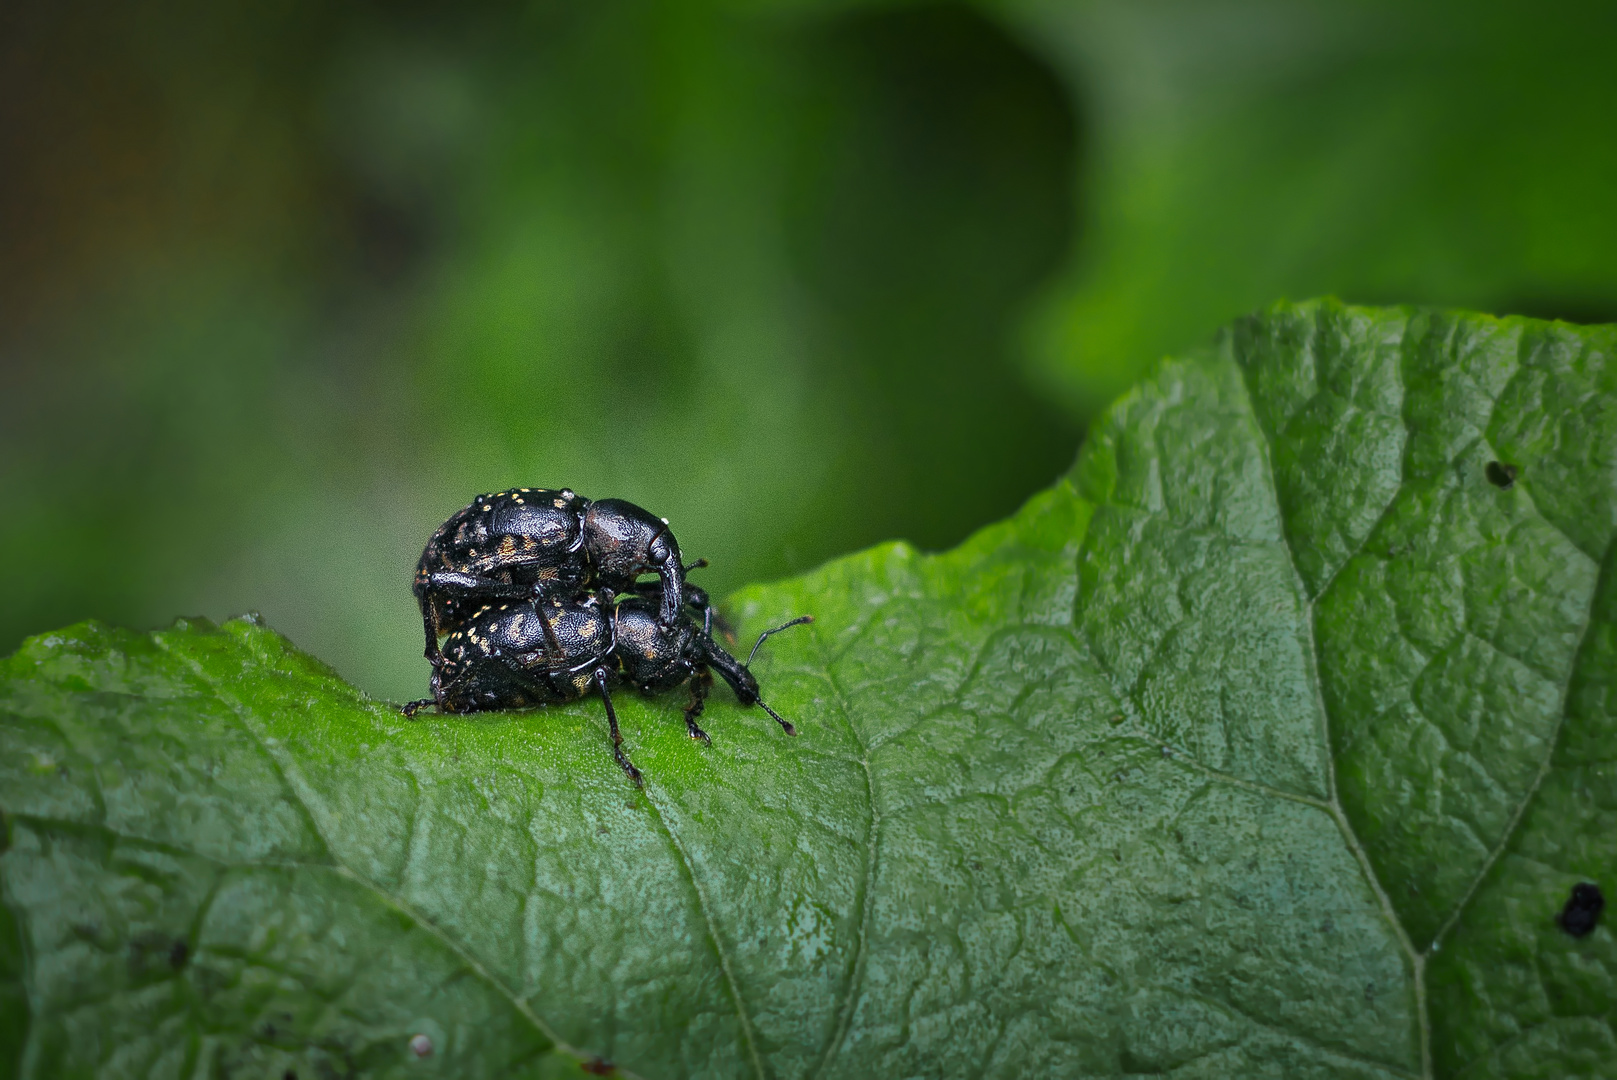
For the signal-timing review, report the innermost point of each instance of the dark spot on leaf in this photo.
(975, 865)
(1500, 475)
(1327, 926)
(289, 1075)
(1582, 909)
(598, 1066)
(1369, 991)
(602, 829)
(156, 955)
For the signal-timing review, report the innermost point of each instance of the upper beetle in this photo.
(531, 542)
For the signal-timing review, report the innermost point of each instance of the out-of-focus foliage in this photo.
(1435, 153)
(333, 273)
(283, 285)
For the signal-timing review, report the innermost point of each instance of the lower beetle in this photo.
(555, 649)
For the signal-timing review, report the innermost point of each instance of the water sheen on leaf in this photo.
(1270, 742)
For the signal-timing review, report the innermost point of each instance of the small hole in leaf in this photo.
(1501, 475)
(1582, 909)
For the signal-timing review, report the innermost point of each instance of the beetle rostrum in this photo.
(555, 649)
(526, 543)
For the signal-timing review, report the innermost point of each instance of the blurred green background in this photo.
(282, 284)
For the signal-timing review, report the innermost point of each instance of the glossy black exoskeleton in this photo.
(557, 648)
(526, 543)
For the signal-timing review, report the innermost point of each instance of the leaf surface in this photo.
(1270, 742)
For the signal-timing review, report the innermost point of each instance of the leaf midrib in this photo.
(688, 872)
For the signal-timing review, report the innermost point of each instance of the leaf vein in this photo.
(1416, 960)
(301, 794)
(1550, 745)
(867, 897)
(688, 871)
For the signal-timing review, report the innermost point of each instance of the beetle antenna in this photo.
(783, 626)
(697, 565)
(785, 724)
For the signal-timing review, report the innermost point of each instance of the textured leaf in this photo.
(1269, 743)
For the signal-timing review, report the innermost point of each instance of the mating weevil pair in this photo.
(535, 595)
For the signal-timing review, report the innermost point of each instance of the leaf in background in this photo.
(1271, 742)
(1442, 153)
(353, 265)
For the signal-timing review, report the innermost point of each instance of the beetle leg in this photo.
(701, 683)
(430, 625)
(472, 587)
(612, 723)
(550, 634)
(468, 588)
(413, 707)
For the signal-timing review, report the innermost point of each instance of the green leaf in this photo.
(1270, 742)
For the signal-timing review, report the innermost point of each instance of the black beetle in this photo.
(530, 542)
(557, 648)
